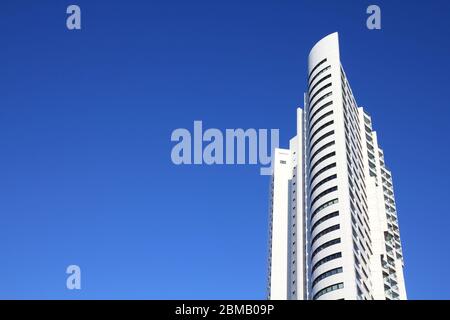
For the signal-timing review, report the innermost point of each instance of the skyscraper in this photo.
(333, 223)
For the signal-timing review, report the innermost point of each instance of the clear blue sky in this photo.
(86, 117)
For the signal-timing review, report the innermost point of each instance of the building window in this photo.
(325, 157)
(319, 91)
(323, 194)
(319, 82)
(332, 177)
(318, 74)
(317, 66)
(322, 171)
(329, 123)
(326, 259)
(311, 127)
(323, 206)
(327, 274)
(324, 232)
(320, 99)
(312, 115)
(325, 218)
(328, 289)
(325, 245)
(326, 135)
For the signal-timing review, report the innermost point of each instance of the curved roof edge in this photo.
(327, 44)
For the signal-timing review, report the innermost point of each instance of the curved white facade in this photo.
(334, 230)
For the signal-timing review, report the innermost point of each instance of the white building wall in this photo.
(328, 48)
(334, 229)
(280, 245)
(297, 202)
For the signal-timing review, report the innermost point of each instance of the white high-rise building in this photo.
(333, 224)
